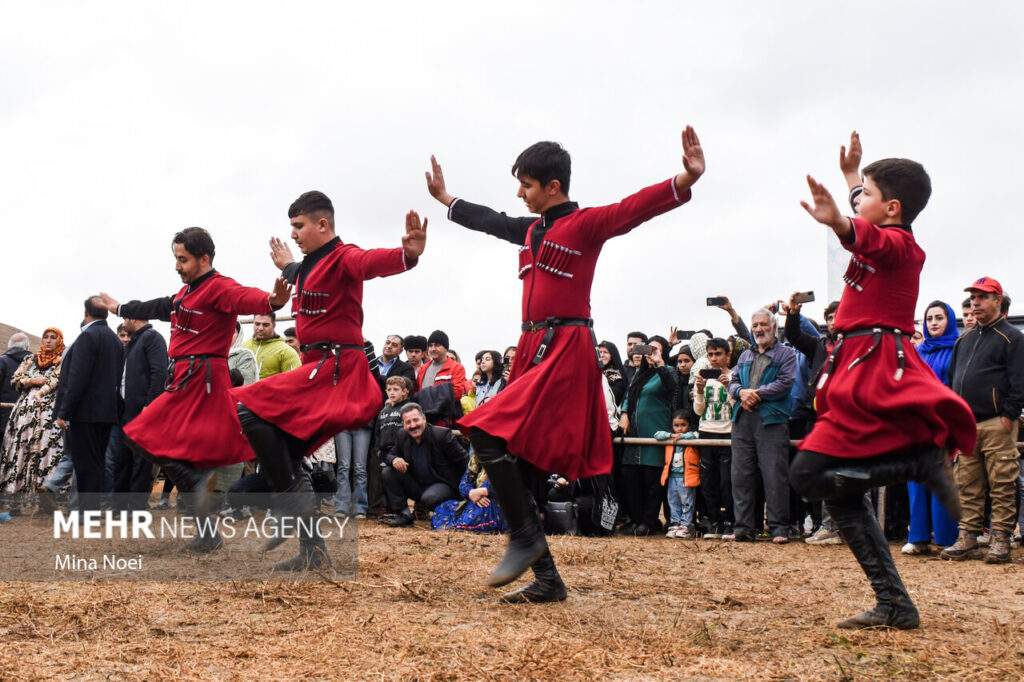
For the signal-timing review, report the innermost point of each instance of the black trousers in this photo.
(88, 442)
(400, 487)
(133, 479)
(716, 479)
(643, 492)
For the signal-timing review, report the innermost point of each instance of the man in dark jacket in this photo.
(17, 351)
(987, 371)
(143, 379)
(389, 364)
(425, 464)
(86, 403)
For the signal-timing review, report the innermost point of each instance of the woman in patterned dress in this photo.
(32, 442)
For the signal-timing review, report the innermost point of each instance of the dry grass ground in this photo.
(651, 608)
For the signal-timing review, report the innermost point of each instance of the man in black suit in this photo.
(390, 365)
(143, 379)
(425, 464)
(86, 402)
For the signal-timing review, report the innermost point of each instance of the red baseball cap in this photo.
(986, 284)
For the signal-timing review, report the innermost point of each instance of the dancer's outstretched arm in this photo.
(825, 210)
(474, 216)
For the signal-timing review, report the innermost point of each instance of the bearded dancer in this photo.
(552, 413)
(883, 416)
(191, 428)
(287, 416)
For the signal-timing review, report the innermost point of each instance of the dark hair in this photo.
(458, 358)
(637, 335)
(409, 407)
(290, 331)
(238, 327)
(196, 241)
(831, 308)
(401, 341)
(683, 414)
(904, 180)
(544, 162)
(717, 343)
(96, 312)
(706, 332)
(499, 365)
(120, 328)
(505, 354)
(272, 315)
(314, 204)
(966, 303)
(1004, 307)
(661, 341)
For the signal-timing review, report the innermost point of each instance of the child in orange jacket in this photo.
(682, 472)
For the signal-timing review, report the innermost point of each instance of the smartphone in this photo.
(686, 335)
(803, 297)
(642, 349)
(716, 300)
(710, 373)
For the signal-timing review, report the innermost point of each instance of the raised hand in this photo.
(435, 183)
(825, 210)
(850, 162)
(280, 253)
(108, 302)
(281, 294)
(693, 154)
(414, 241)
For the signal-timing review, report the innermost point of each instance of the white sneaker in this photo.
(684, 533)
(824, 536)
(672, 530)
(916, 548)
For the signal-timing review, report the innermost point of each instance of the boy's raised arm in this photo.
(693, 161)
(825, 210)
(476, 217)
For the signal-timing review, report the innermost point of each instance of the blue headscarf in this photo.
(938, 350)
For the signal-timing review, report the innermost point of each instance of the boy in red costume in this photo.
(552, 413)
(288, 415)
(191, 428)
(883, 416)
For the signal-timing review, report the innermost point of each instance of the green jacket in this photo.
(273, 356)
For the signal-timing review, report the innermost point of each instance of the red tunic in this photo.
(553, 414)
(189, 421)
(865, 411)
(328, 306)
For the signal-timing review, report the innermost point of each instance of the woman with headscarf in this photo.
(646, 410)
(32, 442)
(682, 399)
(611, 366)
(927, 515)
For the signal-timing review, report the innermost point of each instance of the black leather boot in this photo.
(191, 483)
(929, 467)
(293, 495)
(312, 553)
(526, 542)
(859, 528)
(547, 585)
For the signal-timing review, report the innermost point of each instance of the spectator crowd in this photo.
(748, 395)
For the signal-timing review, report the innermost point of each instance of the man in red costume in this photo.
(552, 413)
(192, 427)
(883, 416)
(288, 415)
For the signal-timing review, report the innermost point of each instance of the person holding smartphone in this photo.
(714, 406)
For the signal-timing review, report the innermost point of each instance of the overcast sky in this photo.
(121, 123)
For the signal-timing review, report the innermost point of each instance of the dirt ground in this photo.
(651, 608)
